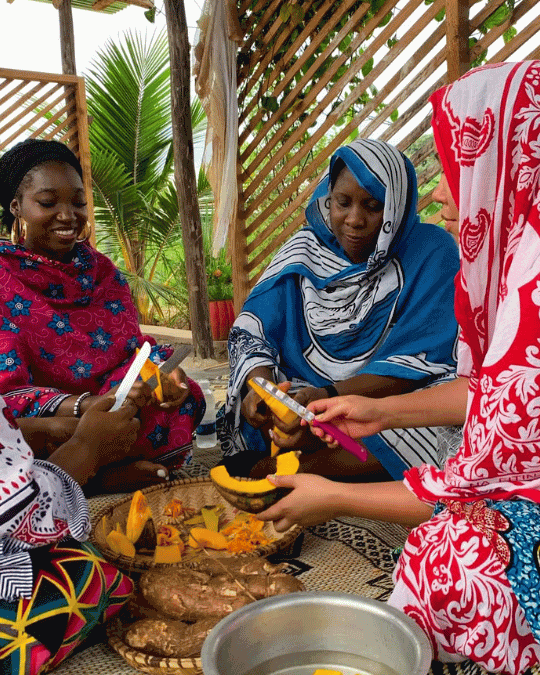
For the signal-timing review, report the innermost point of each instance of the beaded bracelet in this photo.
(330, 390)
(77, 405)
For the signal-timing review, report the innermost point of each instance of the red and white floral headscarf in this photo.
(487, 131)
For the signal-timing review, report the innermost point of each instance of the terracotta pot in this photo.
(221, 318)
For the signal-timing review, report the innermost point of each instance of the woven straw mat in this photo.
(350, 555)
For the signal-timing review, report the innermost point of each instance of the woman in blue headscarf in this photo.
(358, 301)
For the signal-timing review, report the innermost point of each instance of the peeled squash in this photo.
(119, 543)
(148, 370)
(200, 537)
(139, 513)
(168, 554)
(279, 409)
(287, 464)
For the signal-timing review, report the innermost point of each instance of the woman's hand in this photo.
(316, 500)
(297, 436)
(312, 501)
(255, 410)
(101, 438)
(109, 436)
(175, 389)
(357, 416)
(127, 477)
(45, 434)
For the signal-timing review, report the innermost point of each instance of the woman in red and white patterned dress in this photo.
(470, 574)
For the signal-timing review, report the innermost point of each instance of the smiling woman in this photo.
(69, 328)
(53, 210)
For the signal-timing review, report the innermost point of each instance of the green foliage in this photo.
(509, 33)
(136, 207)
(219, 277)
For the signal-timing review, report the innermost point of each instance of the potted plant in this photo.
(220, 295)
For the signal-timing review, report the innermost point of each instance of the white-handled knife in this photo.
(131, 375)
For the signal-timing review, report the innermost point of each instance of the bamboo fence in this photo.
(312, 73)
(48, 106)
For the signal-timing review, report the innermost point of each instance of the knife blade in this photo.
(131, 376)
(174, 360)
(345, 441)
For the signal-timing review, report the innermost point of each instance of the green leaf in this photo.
(270, 103)
(498, 17)
(150, 15)
(386, 19)
(509, 33)
(136, 207)
(345, 43)
(285, 13)
(394, 115)
(391, 42)
(368, 67)
(297, 14)
(440, 15)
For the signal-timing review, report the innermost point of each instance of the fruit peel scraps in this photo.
(245, 534)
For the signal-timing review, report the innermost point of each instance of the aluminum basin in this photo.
(298, 633)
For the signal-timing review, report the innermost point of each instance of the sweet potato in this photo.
(165, 637)
(262, 586)
(188, 594)
(214, 566)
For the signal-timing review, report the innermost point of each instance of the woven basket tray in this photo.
(155, 665)
(194, 493)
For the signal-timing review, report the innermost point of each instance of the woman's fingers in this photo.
(328, 408)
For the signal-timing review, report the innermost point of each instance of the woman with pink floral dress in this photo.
(470, 574)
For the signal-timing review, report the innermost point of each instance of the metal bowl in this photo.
(297, 634)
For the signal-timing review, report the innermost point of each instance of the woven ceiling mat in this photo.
(194, 493)
(155, 665)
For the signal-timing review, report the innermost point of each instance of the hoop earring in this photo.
(85, 234)
(18, 230)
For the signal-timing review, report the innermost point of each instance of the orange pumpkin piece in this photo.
(139, 513)
(168, 535)
(119, 543)
(169, 554)
(200, 537)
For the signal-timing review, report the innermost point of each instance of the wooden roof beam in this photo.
(99, 5)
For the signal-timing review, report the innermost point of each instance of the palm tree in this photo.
(136, 207)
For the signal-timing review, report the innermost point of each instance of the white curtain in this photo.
(216, 44)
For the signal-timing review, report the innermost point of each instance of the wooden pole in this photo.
(239, 258)
(457, 38)
(76, 104)
(67, 38)
(184, 175)
(67, 50)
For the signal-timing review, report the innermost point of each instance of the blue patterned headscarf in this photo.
(387, 175)
(315, 317)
